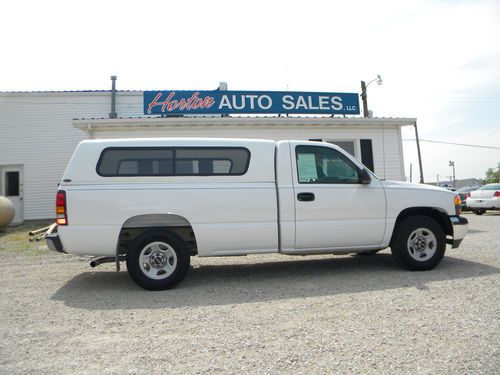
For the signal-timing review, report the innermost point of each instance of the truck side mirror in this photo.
(364, 177)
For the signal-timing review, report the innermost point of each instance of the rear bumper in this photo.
(489, 203)
(460, 229)
(53, 241)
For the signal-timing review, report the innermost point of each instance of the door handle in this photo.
(305, 197)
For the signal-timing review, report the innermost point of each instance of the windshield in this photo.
(466, 189)
(490, 187)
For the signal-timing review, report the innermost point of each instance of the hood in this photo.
(411, 186)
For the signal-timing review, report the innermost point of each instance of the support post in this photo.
(419, 155)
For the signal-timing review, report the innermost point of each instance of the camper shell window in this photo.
(173, 161)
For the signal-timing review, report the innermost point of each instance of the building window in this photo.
(173, 161)
(347, 146)
(366, 148)
(324, 165)
(12, 184)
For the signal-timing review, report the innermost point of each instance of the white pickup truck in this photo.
(157, 202)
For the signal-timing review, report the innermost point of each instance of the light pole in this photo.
(452, 164)
(364, 96)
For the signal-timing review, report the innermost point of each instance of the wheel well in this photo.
(137, 225)
(438, 215)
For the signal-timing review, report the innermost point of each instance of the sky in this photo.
(439, 60)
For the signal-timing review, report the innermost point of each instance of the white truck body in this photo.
(258, 211)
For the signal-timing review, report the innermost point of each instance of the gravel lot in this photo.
(258, 314)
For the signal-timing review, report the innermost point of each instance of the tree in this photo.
(492, 175)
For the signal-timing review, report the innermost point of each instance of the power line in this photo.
(455, 144)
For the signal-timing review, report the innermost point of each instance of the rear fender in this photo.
(136, 225)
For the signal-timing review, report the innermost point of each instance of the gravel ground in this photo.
(258, 314)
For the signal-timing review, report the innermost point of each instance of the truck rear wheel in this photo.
(157, 260)
(419, 244)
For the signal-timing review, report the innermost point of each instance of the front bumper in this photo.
(460, 229)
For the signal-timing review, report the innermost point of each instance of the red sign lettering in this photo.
(170, 104)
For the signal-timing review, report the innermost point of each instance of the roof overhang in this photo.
(172, 122)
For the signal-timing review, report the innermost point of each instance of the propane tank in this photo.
(7, 212)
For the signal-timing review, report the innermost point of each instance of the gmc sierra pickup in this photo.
(154, 203)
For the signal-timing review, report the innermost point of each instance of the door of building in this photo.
(12, 188)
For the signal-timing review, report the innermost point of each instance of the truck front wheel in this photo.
(419, 243)
(157, 260)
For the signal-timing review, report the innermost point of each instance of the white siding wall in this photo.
(36, 132)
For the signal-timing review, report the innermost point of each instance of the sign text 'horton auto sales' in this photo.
(223, 102)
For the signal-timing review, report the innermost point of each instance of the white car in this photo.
(487, 197)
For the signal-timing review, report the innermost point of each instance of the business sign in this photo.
(256, 102)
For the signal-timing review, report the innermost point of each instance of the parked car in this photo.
(487, 197)
(448, 187)
(464, 194)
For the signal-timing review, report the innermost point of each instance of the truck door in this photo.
(333, 209)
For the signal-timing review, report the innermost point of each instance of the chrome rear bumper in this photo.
(53, 241)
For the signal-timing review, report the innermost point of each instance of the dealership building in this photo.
(40, 130)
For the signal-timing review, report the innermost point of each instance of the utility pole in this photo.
(364, 99)
(364, 86)
(452, 164)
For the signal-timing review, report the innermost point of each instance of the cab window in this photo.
(323, 165)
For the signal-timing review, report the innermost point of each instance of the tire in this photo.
(419, 243)
(479, 211)
(158, 260)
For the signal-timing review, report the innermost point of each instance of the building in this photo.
(40, 130)
(458, 184)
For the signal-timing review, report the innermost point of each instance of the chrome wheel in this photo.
(158, 260)
(422, 244)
